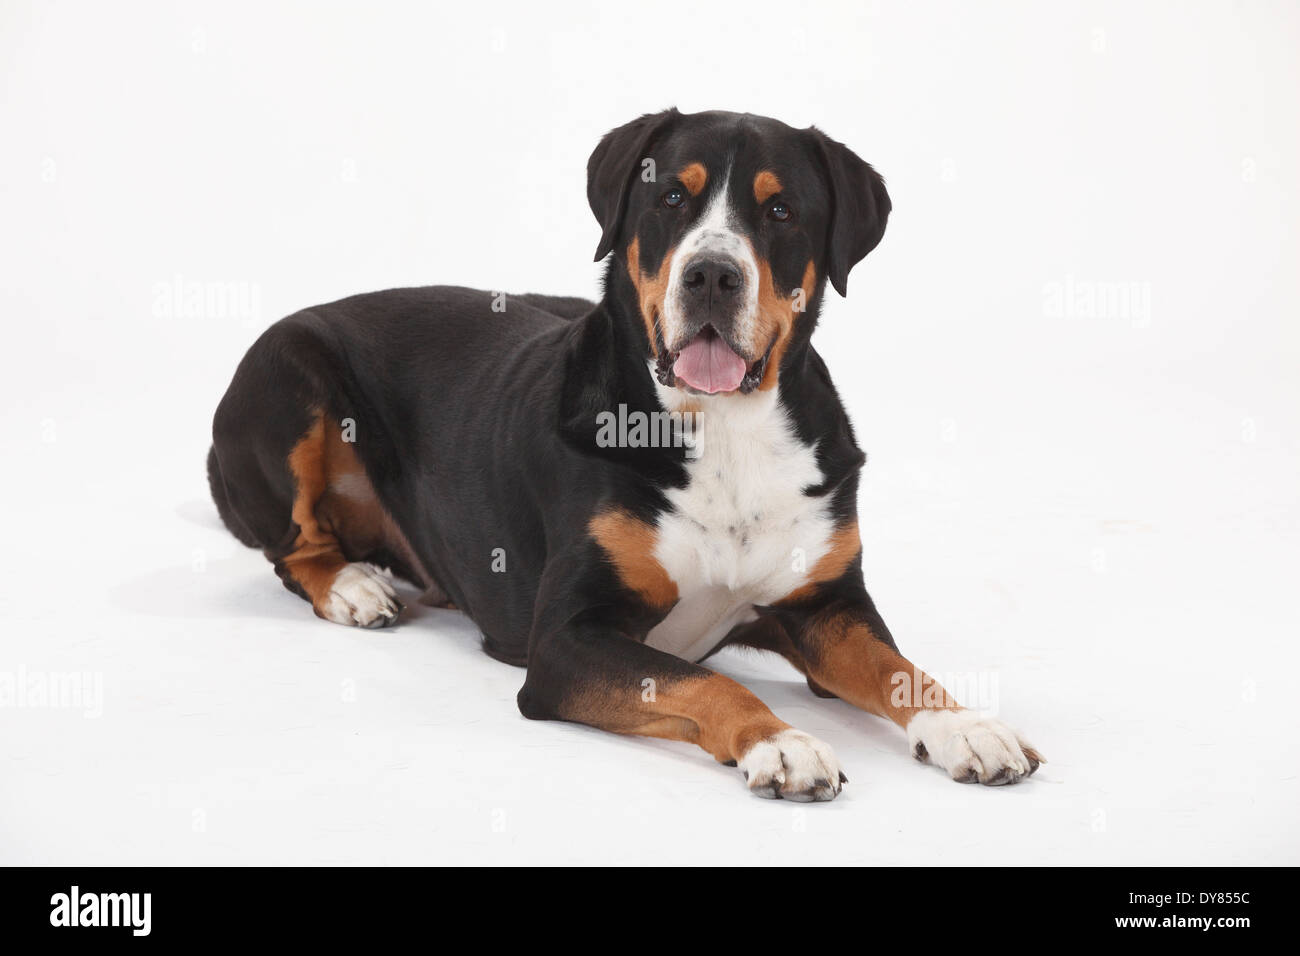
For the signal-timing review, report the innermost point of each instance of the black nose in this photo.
(712, 280)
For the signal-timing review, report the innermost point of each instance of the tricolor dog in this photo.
(461, 441)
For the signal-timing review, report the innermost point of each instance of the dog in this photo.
(613, 491)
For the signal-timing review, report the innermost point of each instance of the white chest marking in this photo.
(741, 532)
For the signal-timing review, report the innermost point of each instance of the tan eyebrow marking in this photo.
(694, 177)
(766, 185)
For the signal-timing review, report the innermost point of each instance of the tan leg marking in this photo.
(856, 666)
(339, 517)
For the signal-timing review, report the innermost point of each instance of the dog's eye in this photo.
(674, 198)
(780, 212)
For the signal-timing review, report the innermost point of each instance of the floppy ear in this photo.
(610, 170)
(859, 208)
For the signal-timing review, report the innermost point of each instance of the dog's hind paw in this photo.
(361, 595)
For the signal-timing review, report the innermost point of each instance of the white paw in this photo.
(362, 595)
(971, 747)
(791, 765)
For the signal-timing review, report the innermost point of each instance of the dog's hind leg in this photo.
(342, 591)
(285, 481)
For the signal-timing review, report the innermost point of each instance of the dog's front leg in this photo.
(848, 651)
(588, 672)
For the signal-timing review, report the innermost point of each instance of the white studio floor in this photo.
(236, 727)
(1072, 362)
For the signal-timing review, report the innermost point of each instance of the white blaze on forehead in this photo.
(714, 235)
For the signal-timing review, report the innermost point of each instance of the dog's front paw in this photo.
(792, 765)
(971, 748)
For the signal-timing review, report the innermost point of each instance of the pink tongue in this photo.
(708, 364)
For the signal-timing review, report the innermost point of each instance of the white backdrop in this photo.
(1072, 362)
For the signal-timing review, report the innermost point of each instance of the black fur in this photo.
(476, 427)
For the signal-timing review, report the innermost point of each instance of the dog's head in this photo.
(728, 226)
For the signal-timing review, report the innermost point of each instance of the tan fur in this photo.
(845, 545)
(650, 289)
(334, 524)
(777, 316)
(630, 544)
(766, 185)
(855, 665)
(694, 177)
(711, 711)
